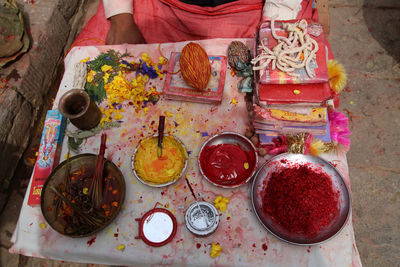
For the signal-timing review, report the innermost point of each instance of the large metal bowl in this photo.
(230, 138)
(159, 184)
(282, 161)
(59, 175)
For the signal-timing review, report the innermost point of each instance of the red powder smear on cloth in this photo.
(91, 241)
(264, 247)
(227, 164)
(301, 200)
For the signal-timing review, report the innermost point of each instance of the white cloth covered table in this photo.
(239, 233)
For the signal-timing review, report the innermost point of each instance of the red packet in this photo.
(48, 154)
(175, 88)
(285, 93)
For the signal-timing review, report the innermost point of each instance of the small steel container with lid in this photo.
(202, 218)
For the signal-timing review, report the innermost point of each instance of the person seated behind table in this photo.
(158, 21)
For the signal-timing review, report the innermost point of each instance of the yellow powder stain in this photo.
(121, 247)
(215, 250)
(42, 225)
(67, 156)
(296, 92)
(234, 101)
(168, 114)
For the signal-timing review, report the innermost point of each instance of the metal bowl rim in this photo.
(235, 134)
(288, 241)
(165, 184)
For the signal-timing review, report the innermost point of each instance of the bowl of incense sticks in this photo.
(76, 201)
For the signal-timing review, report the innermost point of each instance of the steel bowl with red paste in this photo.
(228, 164)
(301, 199)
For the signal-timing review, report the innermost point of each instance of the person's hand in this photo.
(124, 30)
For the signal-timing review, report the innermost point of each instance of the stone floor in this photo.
(365, 37)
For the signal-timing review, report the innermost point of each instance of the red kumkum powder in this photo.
(301, 200)
(227, 164)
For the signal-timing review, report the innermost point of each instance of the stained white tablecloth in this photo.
(241, 236)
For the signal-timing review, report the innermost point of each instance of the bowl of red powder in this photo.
(301, 199)
(228, 160)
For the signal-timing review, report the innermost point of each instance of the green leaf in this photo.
(74, 144)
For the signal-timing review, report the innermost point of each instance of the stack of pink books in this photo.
(289, 105)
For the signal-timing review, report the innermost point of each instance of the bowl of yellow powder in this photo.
(155, 171)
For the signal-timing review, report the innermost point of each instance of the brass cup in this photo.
(79, 109)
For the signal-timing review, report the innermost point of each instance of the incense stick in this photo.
(197, 203)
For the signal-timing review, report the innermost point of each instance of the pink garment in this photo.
(172, 21)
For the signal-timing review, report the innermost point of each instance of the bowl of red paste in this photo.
(301, 199)
(228, 160)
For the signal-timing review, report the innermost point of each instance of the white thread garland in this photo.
(286, 55)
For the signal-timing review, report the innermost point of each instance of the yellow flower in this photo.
(220, 203)
(85, 60)
(146, 58)
(118, 116)
(234, 101)
(105, 77)
(106, 68)
(215, 250)
(90, 76)
(162, 60)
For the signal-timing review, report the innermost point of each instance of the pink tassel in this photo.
(307, 144)
(339, 126)
(279, 146)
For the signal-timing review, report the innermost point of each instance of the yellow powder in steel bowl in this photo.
(160, 170)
